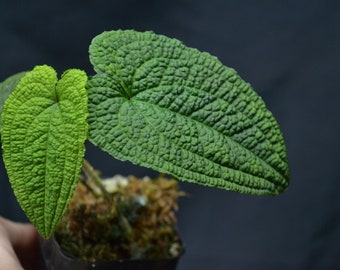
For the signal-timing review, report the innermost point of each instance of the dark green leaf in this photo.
(160, 104)
(7, 87)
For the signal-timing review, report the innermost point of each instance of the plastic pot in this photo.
(56, 259)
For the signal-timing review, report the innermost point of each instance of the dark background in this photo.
(288, 50)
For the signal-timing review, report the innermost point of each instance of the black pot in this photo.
(56, 259)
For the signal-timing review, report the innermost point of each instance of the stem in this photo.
(91, 173)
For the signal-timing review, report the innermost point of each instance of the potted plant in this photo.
(152, 101)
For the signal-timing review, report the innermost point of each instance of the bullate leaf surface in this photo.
(44, 129)
(163, 105)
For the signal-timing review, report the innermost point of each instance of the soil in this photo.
(134, 220)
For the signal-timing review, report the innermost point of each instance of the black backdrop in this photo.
(288, 50)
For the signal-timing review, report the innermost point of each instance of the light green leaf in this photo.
(7, 87)
(160, 104)
(44, 130)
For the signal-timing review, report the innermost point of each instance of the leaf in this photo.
(6, 87)
(44, 130)
(160, 104)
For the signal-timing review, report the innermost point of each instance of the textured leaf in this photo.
(44, 129)
(160, 104)
(6, 87)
